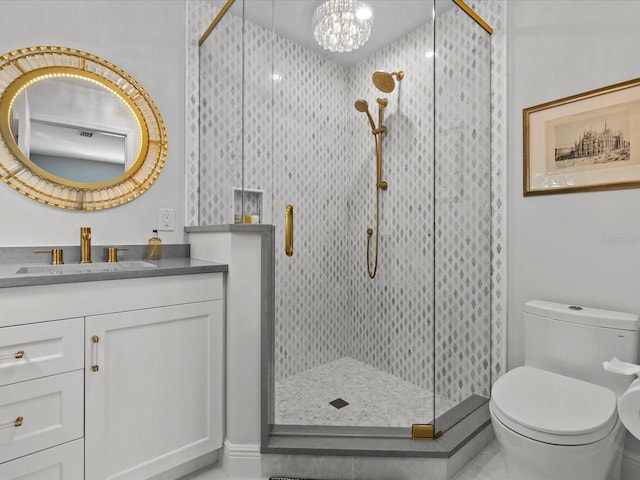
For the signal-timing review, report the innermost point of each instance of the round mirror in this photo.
(76, 131)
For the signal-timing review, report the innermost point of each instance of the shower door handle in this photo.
(288, 230)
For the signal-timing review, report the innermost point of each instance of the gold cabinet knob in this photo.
(12, 423)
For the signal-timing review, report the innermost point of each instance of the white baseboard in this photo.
(630, 466)
(188, 468)
(241, 460)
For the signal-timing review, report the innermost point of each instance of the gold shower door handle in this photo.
(288, 230)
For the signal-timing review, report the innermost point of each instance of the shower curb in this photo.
(320, 458)
(453, 440)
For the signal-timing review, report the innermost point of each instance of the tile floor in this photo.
(488, 465)
(375, 398)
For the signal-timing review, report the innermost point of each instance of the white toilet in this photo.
(556, 418)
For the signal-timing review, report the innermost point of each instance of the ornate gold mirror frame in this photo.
(21, 68)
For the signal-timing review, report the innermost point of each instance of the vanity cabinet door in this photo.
(153, 389)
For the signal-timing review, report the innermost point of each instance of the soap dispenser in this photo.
(154, 251)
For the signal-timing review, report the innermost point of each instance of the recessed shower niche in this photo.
(410, 345)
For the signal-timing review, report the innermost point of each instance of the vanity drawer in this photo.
(40, 349)
(65, 462)
(51, 412)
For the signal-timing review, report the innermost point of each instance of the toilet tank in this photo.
(573, 340)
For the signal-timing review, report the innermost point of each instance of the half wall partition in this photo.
(349, 354)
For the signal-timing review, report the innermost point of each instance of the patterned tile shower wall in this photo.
(324, 164)
(391, 318)
(199, 16)
(462, 207)
(313, 172)
(495, 13)
(221, 101)
(258, 122)
(234, 96)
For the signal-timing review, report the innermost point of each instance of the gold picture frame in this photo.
(583, 143)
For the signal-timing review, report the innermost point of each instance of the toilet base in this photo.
(527, 459)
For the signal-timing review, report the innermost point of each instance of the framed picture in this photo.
(585, 142)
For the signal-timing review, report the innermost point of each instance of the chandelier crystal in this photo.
(342, 25)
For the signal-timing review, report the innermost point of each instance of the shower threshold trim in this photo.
(383, 441)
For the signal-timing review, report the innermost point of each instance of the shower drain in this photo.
(338, 403)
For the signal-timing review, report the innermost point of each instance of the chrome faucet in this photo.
(85, 245)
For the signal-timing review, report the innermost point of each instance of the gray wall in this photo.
(147, 40)
(581, 248)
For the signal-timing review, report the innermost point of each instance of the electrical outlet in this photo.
(166, 220)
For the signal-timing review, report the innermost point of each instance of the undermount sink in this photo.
(86, 267)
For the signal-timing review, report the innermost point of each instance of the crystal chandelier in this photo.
(342, 25)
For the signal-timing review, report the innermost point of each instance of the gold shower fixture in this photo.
(385, 83)
(363, 106)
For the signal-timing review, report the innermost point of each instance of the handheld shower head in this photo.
(363, 106)
(384, 81)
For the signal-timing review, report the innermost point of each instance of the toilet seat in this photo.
(553, 408)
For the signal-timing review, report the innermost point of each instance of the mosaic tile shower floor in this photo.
(375, 398)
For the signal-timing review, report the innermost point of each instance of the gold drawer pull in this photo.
(18, 355)
(13, 423)
(94, 350)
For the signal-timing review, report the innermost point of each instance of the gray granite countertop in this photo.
(132, 264)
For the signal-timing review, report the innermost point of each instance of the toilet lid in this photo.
(553, 408)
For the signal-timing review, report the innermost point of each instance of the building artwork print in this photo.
(585, 142)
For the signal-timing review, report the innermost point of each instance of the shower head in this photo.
(363, 106)
(384, 81)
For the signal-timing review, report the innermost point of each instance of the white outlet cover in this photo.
(166, 220)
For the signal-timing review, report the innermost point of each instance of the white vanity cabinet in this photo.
(117, 379)
(41, 400)
(152, 389)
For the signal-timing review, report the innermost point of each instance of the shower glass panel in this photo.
(372, 332)
(221, 120)
(352, 351)
(462, 222)
(235, 115)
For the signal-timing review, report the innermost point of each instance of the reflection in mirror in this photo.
(75, 129)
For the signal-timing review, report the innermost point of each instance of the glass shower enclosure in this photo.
(382, 308)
